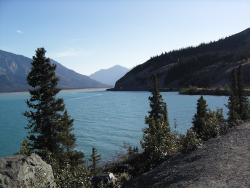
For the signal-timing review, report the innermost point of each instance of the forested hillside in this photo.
(207, 65)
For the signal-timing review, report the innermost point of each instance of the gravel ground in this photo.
(220, 162)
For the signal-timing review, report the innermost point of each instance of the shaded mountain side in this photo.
(109, 76)
(14, 69)
(220, 162)
(207, 65)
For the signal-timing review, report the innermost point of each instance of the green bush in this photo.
(211, 125)
(24, 149)
(189, 142)
(67, 175)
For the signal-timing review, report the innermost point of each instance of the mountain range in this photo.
(207, 65)
(14, 69)
(109, 76)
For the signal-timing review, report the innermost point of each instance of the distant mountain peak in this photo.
(118, 66)
(14, 69)
(110, 75)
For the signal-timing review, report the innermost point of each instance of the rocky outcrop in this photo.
(223, 162)
(25, 172)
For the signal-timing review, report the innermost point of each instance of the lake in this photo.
(103, 119)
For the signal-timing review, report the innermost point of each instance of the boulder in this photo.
(25, 172)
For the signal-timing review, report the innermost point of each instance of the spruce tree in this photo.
(238, 103)
(157, 139)
(243, 99)
(67, 140)
(24, 149)
(199, 119)
(206, 122)
(95, 158)
(50, 127)
(233, 100)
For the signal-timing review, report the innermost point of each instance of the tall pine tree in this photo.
(200, 117)
(157, 139)
(49, 125)
(233, 100)
(243, 99)
(95, 158)
(206, 122)
(238, 103)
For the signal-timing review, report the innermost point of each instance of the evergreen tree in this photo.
(199, 119)
(157, 139)
(238, 103)
(50, 127)
(206, 122)
(25, 150)
(233, 100)
(158, 107)
(243, 99)
(67, 140)
(95, 158)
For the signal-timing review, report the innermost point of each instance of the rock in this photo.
(25, 172)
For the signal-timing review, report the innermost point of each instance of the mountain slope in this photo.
(221, 162)
(207, 65)
(14, 69)
(109, 76)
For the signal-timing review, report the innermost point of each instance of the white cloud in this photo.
(19, 31)
(67, 53)
(72, 52)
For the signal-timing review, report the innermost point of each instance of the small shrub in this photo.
(211, 125)
(68, 176)
(190, 141)
(223, 128)
(24, 149)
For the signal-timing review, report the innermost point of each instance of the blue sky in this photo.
(88, 35)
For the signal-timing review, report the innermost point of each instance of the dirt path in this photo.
(221, 162)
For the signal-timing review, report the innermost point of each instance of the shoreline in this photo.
(62, 89)
(189, 91)
(181, 91)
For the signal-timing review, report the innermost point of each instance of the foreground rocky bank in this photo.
(26, 172)
(220, 162)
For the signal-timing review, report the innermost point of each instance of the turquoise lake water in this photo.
(103, 119)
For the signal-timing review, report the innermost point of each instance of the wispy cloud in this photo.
(72, 52)
(67, 53)
(19, 31)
